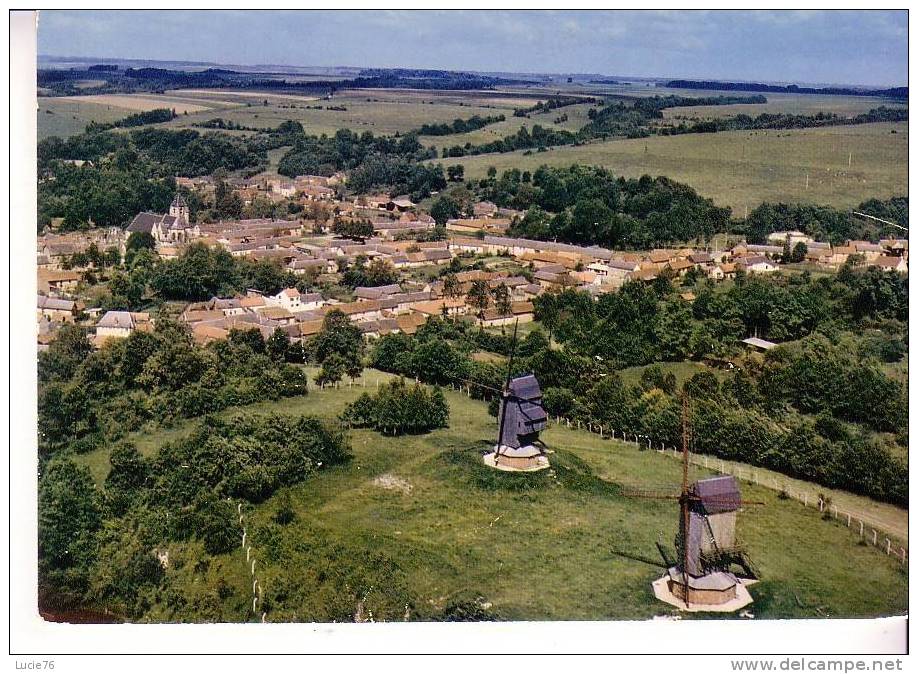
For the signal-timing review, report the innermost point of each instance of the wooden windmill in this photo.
(705, 543)
(520, 419)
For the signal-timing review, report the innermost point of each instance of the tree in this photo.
(218, 526)
(445, 208)
(455, 173)
(451, 286)
(69, 516)
(479, 297)
(502, 300)
(65, 353)
(332, 371)
(397, 409)
(353, 229)
(278, 345)
(341, 339)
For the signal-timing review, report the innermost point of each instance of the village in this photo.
(432, 263)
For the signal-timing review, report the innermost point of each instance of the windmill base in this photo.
(718, 592)
(517, 461)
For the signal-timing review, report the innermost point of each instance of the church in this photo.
(172, 228)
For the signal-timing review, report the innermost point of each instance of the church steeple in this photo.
(179, 209)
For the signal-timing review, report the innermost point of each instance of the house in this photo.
(57, 280)
(204, 333)
(702, 260)
(366, 310)
(840, 255)
(722, 271)
(522, 312)
(277, 314)
(376, 292)
(891, 263)
(57, 310)
(613, 272)
(792, 238)
(472, 225)
(870, 251)
(680, 267)
(400, 204)
(757, 264)
(289, 299)
(284, 188)
(120, 324)
(450, 306)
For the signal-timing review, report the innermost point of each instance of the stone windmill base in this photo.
(527, 459)
(718, 592)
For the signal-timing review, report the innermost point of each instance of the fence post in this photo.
(861, 533)
(874, 536)
(835, 512)
(805, 499)
(888, 545)
(600, 431)
(848, 524)
(902, 550)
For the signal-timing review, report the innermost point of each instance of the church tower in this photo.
(179, 209)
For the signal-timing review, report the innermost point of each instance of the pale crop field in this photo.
(147, 102)
(742, 169)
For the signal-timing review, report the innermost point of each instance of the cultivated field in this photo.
(742, 169)
(144, 103)
(419, 523)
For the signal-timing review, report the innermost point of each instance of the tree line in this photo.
(473, 123)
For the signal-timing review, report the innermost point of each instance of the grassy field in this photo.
(785, 103)
(439, 527)
(67, 116)
(742, 169)
(380, 111)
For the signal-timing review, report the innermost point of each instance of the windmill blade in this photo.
(512, 354)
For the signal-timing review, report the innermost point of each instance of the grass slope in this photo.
(742, 169)
(525, 547)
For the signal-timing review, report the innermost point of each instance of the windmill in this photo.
(521, 418)
(702, 577)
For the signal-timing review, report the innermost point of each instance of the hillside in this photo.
(417, 528)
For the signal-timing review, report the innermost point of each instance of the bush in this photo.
(398, 409)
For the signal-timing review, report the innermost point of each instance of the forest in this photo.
(591, 206)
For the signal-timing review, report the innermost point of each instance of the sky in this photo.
(816, 47)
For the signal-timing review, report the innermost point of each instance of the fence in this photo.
(868, 529)
(258, 594)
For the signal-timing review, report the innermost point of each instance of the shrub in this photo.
(398, 409)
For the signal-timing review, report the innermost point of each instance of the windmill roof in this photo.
(525, 387)
(718, 494)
